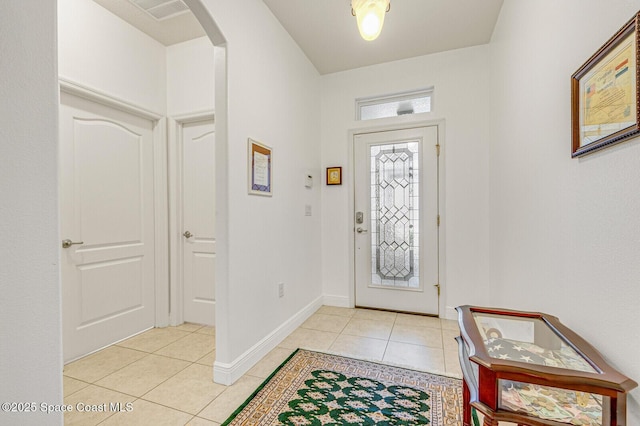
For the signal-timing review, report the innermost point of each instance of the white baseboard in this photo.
(228, 373)
(338, 301)
(450, 313)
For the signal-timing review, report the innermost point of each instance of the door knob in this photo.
(359, 230)
(187, 234)
(69, 243)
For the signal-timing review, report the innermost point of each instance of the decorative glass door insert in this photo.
(395, 220)
(395, 215)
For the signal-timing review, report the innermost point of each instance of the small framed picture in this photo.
(260, 168)
(334, 175)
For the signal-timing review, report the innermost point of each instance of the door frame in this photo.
(161, 261)
(385, 125)
(175, 123)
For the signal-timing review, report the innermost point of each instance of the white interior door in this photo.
(107, 216)
(198, 221)
(396, 220)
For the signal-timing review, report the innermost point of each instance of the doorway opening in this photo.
(192, 218)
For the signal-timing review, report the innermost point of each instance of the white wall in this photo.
(460, 98)
(30, 329)
(100, 50)
(190, 77)
(273, 97)
(565, 232)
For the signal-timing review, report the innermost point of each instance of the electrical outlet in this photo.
(280, 289)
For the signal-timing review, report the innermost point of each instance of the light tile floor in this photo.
(165, 374)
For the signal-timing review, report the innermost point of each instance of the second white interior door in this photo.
(396, 220)
(198, 220)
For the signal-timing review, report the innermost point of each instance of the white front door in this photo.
(198, 221)
(107, 218)
(396, 220)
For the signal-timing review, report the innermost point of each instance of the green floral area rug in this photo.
(312, 388)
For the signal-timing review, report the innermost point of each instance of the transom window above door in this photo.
(406, 103)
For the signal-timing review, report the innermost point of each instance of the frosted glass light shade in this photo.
(370, 16)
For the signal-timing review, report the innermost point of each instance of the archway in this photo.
(220, 52)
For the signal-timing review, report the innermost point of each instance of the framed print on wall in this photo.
(334, 175)
(605, 94)
(260, 168)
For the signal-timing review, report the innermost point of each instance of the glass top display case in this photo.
(528, 368)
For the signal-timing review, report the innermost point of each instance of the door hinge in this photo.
(438, 287)
(438, 220)
(438, 149)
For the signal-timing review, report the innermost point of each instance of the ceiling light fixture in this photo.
(370, 16)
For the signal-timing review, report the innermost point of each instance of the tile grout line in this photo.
(384, 354)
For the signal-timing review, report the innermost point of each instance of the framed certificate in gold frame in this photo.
(260, 168)
(605, 94)
(334, 175)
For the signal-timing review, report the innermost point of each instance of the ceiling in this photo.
(327, 33)
(172, 30)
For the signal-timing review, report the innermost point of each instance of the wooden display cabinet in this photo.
(528, 368)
